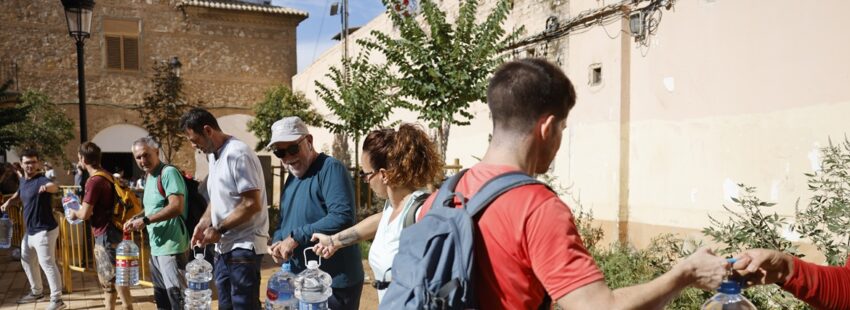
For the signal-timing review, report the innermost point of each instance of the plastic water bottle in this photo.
(127, 262)
(313, 287)
(728, 297)
(5, 231)
(70, 202)
(280, 292)
(198, 276)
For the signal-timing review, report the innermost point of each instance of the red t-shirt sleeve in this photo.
(94, 190)
(824, 287)
(558, 256)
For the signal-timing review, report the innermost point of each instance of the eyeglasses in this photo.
(366, 176)
(289, 150)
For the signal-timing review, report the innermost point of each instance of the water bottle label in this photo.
(313, 305)
(199, 286)
(126, 261)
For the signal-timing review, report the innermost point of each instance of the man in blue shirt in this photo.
(317, 197)
(38, 245)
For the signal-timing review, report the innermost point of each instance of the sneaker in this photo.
(30, 298)
(56, 305)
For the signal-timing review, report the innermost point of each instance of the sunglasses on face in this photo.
(289, 150)
(365, 176)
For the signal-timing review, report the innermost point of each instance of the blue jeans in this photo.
(237, 275)
(347, 298)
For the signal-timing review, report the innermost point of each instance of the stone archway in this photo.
(115, 142)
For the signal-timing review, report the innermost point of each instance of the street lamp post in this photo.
(78, 13)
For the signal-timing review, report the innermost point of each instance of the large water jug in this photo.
(70, 202)
(280, 292)
(198, 276)
(5, 231)
(313, 286)
(127, 262)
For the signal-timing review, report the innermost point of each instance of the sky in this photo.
(315, 32)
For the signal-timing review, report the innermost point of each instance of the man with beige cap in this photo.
(317, 197)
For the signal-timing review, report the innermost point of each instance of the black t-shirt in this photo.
(37, 207)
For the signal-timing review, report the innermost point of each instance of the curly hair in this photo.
(408, 155)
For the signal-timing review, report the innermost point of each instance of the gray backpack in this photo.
(434, 264)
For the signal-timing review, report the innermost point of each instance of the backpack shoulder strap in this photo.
(159, 179)
(410, 217)
(104, 175)
(495, 187)
(446, 194)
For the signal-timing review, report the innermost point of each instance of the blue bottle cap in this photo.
(286, 267)
(730, 287)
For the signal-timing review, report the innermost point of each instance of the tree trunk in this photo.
(443, 137)
(340, 149)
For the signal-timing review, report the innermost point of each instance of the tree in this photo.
(45, 128)
(443, 67)
(9, 116)
(361, 101)
(280, 102)
(161, 110)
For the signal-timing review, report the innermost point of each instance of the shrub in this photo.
(826, 219)
(752, 228)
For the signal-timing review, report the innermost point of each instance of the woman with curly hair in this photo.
(396, 164)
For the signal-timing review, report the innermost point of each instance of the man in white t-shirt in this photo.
(236, 219)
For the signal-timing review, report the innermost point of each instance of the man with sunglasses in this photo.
(317, 197)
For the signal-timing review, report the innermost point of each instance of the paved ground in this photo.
(87, 295)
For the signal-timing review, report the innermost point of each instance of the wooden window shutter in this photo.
(131, 53)
(113, 52)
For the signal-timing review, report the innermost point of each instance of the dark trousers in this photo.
(346, 298)
(237, 275)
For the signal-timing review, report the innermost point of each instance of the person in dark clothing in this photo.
(38, 246)
(317, 197)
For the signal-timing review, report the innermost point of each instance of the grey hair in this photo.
(146, 141)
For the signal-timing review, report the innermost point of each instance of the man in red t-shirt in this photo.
(96, 208)
(823, 287)
(527, 244)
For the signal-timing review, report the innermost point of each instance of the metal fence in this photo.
(75, 245)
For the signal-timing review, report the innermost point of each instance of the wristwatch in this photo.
(146, 220)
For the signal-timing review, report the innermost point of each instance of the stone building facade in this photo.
(231, 52)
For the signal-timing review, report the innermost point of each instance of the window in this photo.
(121, 38)
(595, 75)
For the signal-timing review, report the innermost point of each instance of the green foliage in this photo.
(45, 128)
(753, 228)
(280, 102)
(161, 110)
(444, 66)
(826, 219)
(9, 116)
(364, 249)
(362, 100)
